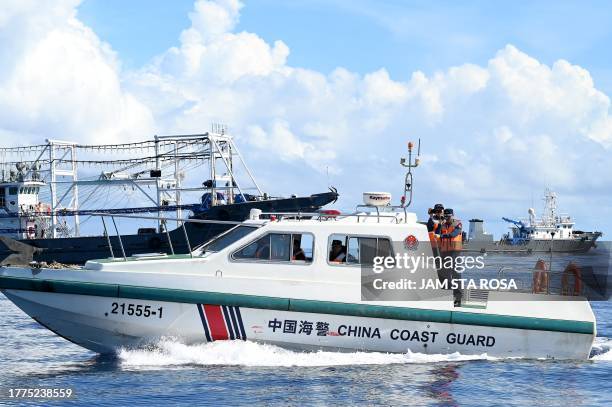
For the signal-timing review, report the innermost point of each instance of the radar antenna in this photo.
(410, 164)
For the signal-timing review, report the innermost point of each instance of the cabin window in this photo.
(226, 239)
(13, 190)
(279, 247)
(302, 248)
(357, 249)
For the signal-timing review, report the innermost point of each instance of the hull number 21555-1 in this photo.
(137, 310)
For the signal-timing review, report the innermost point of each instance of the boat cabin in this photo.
(20, 197)
(314, 248)
(21, 211)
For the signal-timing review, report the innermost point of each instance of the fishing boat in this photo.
(298, 282)
(553, 232)
(42, 204)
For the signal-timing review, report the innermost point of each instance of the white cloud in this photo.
(213, 19)
(58, 80)
(380, 90)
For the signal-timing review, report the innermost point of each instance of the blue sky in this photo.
(364, 35)
(509, 98)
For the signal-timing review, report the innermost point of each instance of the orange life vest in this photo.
(434, 237)
(450, 244)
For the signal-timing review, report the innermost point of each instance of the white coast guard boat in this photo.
(275, 281)
(296, 283)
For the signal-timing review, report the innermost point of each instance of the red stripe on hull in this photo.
(214, 315)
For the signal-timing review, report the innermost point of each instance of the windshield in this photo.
(226, 239)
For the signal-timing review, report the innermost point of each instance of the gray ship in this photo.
(551, 233)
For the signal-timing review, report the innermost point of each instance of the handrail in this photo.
(187, 240)
(119, 237)
(165, 224)
(312, 214)
(191, 220)
(110, 246)
(164, 219)
(341, 215)
(166, 231)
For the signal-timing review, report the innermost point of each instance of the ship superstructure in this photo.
(553, 231)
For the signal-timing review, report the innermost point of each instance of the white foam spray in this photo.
(172, 353)
(602, 349)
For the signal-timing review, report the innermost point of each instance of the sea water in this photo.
(241, 373)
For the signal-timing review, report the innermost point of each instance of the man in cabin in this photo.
(298, 253)
(263, 250)
(337, 253)
(451, 242)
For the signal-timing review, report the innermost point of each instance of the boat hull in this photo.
(533, 246)
(107, 324)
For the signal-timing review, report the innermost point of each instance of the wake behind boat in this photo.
(295, 281)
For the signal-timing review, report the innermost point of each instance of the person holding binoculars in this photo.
(446, 237)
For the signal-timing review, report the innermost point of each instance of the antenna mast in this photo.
(410, 164)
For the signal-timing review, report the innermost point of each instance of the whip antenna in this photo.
(410, 164)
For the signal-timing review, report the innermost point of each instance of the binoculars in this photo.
(438, 214)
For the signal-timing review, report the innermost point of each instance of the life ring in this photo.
(540, 277)
(575, 270)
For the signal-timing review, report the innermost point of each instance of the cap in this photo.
(336, 242)
(438, 207)
(449, 211)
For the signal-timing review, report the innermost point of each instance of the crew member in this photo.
(451, 240)
(450, 232)
(337, 253)
(298, 253)
(263, 250)
(433, 225)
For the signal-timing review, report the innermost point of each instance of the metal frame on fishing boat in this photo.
(154, 169)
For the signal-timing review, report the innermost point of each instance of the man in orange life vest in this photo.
(436, 215)
(451, 237)
(451, 241)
